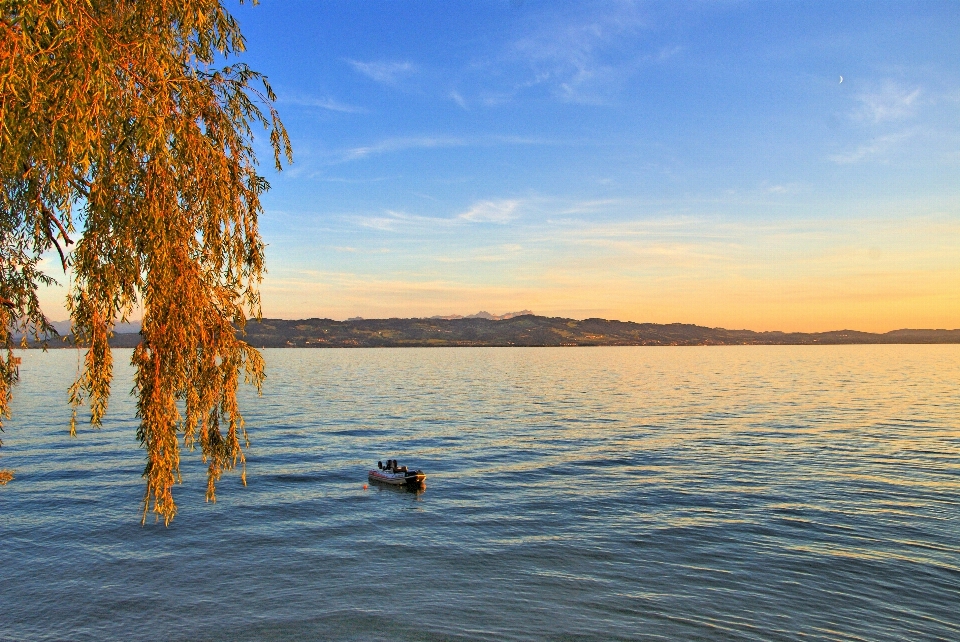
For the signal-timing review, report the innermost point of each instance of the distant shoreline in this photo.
(532, 331)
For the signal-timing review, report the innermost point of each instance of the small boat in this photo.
(393, 473)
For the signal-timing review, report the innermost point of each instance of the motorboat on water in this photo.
(393, 473)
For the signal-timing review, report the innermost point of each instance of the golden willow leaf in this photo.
(116, 123)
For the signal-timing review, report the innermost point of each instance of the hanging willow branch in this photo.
(131, 135)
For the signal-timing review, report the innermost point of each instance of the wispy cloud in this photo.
(350, 181)
(400, 144)
(588, 207)
(457, 98)
(491, 254)
(386, 223)
(873, 148)
(323, 103)
(781, 188)
(666, 53)
(880, 113)
(891, 102)
(502, 211)
(387, 72)
(488, 211)
(584, 59)
(394, 221)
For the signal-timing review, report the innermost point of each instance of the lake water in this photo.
(735, 493)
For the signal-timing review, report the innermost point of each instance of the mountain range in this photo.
(482, 330)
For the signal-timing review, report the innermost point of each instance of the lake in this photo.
(724, 493)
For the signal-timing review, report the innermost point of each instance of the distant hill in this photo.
(64, 327)
(532, 330)
(482, 314)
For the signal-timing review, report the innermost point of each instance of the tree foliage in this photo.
(121, 125)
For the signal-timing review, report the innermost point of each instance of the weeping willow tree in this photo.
(126, 146)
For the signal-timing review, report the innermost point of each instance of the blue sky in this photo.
(696, 162)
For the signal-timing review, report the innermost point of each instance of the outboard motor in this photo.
(380, 465)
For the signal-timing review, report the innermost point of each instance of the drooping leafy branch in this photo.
(118, 127)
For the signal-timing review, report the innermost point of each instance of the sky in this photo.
(695, 162)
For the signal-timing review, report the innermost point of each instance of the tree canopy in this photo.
(126, 145)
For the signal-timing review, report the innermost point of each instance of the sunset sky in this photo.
(695, 162)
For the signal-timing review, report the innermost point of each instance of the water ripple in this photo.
(755, 493)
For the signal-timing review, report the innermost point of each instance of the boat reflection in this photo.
(414, 488)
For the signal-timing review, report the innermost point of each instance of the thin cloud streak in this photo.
(386, 72)
(584, 59)
(876, 147)
(328, 104)
(890, 102)
(457, 98)
(394, 221)
(491, 212)
(400, 144)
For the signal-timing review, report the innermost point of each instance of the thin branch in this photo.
(63, 232)
(56, 221)
(81, 186)
(63, 259)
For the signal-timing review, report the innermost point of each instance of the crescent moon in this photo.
(841, 80)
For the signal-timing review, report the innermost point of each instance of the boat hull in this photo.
(397, 479)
